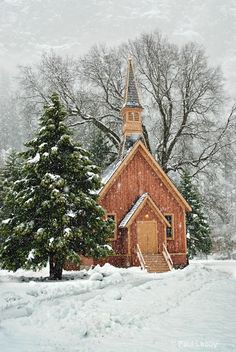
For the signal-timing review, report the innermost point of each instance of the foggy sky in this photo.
(71, 27)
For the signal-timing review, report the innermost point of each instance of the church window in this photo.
(131, 116)
(136, 117)
(170, 229)
(113, 217)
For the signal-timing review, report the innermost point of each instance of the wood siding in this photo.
(136, 178)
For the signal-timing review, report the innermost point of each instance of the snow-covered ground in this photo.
(111, 309)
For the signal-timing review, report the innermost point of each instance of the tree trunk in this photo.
(55, 267)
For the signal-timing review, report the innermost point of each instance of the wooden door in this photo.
(147, 237)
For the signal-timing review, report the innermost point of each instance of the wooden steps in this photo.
(155, 263)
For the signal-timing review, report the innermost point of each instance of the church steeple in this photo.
(131, 111)
(131, 93)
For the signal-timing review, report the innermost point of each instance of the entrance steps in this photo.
(155, 263)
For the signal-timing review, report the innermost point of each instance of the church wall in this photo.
(135, 179)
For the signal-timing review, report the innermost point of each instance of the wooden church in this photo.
(148, 210)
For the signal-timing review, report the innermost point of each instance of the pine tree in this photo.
(56, 215)
(9, 173)
(100, 149)
(198, 230)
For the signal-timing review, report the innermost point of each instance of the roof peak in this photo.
(131, 92)
(140, 201)
(110, 177)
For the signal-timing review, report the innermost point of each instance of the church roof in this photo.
(131, 92)
(137, 206)
(132, 210)
(110, 170)
(113, 171)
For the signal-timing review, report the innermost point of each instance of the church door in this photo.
(147, 237)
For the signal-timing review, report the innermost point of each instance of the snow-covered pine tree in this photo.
(56, 214)
(198, 230)
(9, 173)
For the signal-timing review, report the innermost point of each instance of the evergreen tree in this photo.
(198, 230)
(9, 173)
(56, 215)
(101, 149)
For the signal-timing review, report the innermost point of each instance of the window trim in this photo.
(115, 229)
(172, 226)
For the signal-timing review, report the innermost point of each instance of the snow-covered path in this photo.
(128, 310)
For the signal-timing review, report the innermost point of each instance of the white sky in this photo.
(71, 27)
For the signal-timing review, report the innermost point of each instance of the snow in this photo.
(133, 210)
(111, 169)
(35, 159)
(66, 189)
(109, 309)
(31, 254)
(42, 145)
(53, 177)
(107, 246)
(40, 231)
(51, 240)
(91, 175)
(67, 230)
(54, 149)
(28, 201)
(6, 221)
(96, 277)
(71, 214)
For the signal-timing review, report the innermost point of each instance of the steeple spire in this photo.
(131, 112)
(131, 93)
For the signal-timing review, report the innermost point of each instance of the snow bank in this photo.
(111, 309)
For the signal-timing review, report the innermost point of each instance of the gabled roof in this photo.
(131, 92)
(114, 172)
(111, 169)
(137, 207)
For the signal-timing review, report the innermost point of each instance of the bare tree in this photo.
(187, 96)
(73, 80)
(183, 98)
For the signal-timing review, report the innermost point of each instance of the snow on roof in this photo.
(111, 169)
(132, 210)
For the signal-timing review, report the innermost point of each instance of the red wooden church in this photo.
(148, 210)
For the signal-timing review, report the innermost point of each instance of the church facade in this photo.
(148, 210)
